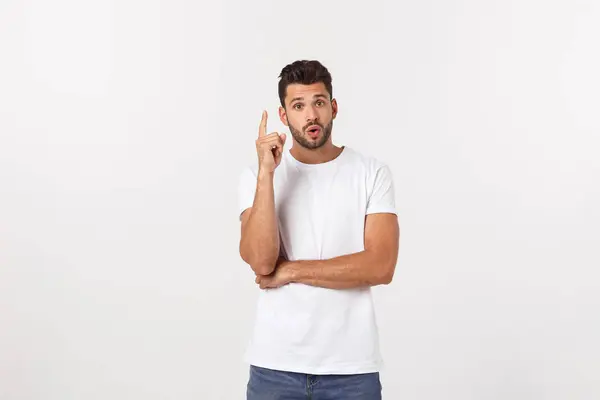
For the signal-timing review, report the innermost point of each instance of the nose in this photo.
(311, 114)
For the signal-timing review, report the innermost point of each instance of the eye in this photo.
(297, 106)
(320, 103)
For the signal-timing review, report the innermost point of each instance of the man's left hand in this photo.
(282, 275)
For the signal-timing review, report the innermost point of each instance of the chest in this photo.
(321, 213)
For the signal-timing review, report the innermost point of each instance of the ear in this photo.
(283, 116)
(334, 106)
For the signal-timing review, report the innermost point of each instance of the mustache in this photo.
(313, 124)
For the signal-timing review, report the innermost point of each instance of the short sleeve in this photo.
(246, 190)
(381, 195)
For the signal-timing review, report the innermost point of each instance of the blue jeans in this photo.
(268, 384)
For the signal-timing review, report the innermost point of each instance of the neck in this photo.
(323, 154)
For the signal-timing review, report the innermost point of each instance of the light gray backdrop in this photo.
(124, 126)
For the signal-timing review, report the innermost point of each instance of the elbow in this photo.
(386, 274)
(384, 279)
(259, 251)
(262, 268)
(387, 279)
(260, 265)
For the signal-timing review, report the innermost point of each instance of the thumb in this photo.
(283, 137)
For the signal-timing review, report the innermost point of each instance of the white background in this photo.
(124, 126)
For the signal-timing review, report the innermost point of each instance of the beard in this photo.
(300, 135)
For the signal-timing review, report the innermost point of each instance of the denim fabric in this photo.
(268, 384)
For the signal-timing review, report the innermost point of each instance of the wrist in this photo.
(264, 174)
(293, 271)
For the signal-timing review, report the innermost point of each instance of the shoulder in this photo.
(370, 163)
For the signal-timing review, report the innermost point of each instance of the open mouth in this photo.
(313, 131)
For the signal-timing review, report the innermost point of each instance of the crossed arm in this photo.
(374, 265)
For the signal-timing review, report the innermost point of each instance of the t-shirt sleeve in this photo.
(381, 197)
(246, 190)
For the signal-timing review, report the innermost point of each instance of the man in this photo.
(318, 228)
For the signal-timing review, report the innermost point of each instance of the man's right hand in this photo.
(268, 147)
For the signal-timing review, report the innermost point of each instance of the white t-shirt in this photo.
(321, 210)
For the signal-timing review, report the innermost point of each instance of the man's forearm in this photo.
(362, 269)
(260, 237)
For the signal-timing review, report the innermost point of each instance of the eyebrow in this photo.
(316, 96)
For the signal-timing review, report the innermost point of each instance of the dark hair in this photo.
(305, 72)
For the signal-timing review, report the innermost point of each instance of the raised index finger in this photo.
(262, 129)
